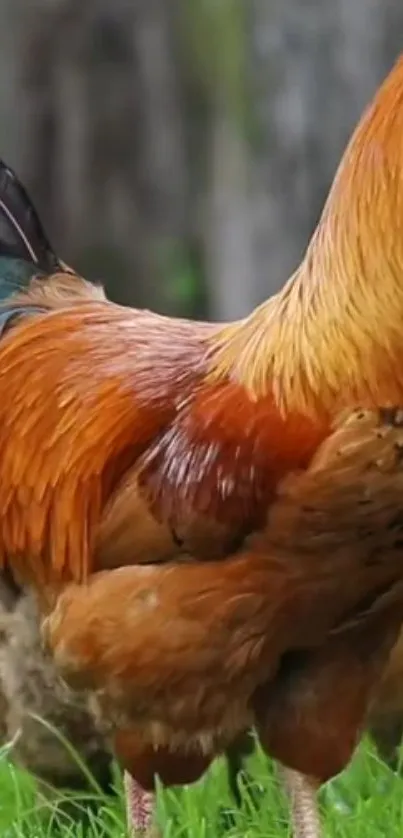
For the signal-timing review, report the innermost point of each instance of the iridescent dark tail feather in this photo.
(22, 236)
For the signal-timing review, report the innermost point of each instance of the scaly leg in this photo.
(301, 792)
(140, 806)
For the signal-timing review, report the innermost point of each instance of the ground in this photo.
(366, 801)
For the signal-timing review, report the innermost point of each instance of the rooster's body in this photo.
(272, 536)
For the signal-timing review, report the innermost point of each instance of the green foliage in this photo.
(367, 800)
(181, 292)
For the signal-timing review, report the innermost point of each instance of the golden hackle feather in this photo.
(334, 334)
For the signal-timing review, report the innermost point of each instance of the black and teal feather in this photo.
(25, 250)
(14, 275)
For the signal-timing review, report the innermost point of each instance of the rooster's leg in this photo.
(140, 806)
(301, 792)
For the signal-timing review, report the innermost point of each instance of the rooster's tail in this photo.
(25, 249)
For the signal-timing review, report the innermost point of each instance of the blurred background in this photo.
(181, 150)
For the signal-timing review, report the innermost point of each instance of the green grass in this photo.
(366, 801)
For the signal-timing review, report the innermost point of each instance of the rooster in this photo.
(209, 514)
